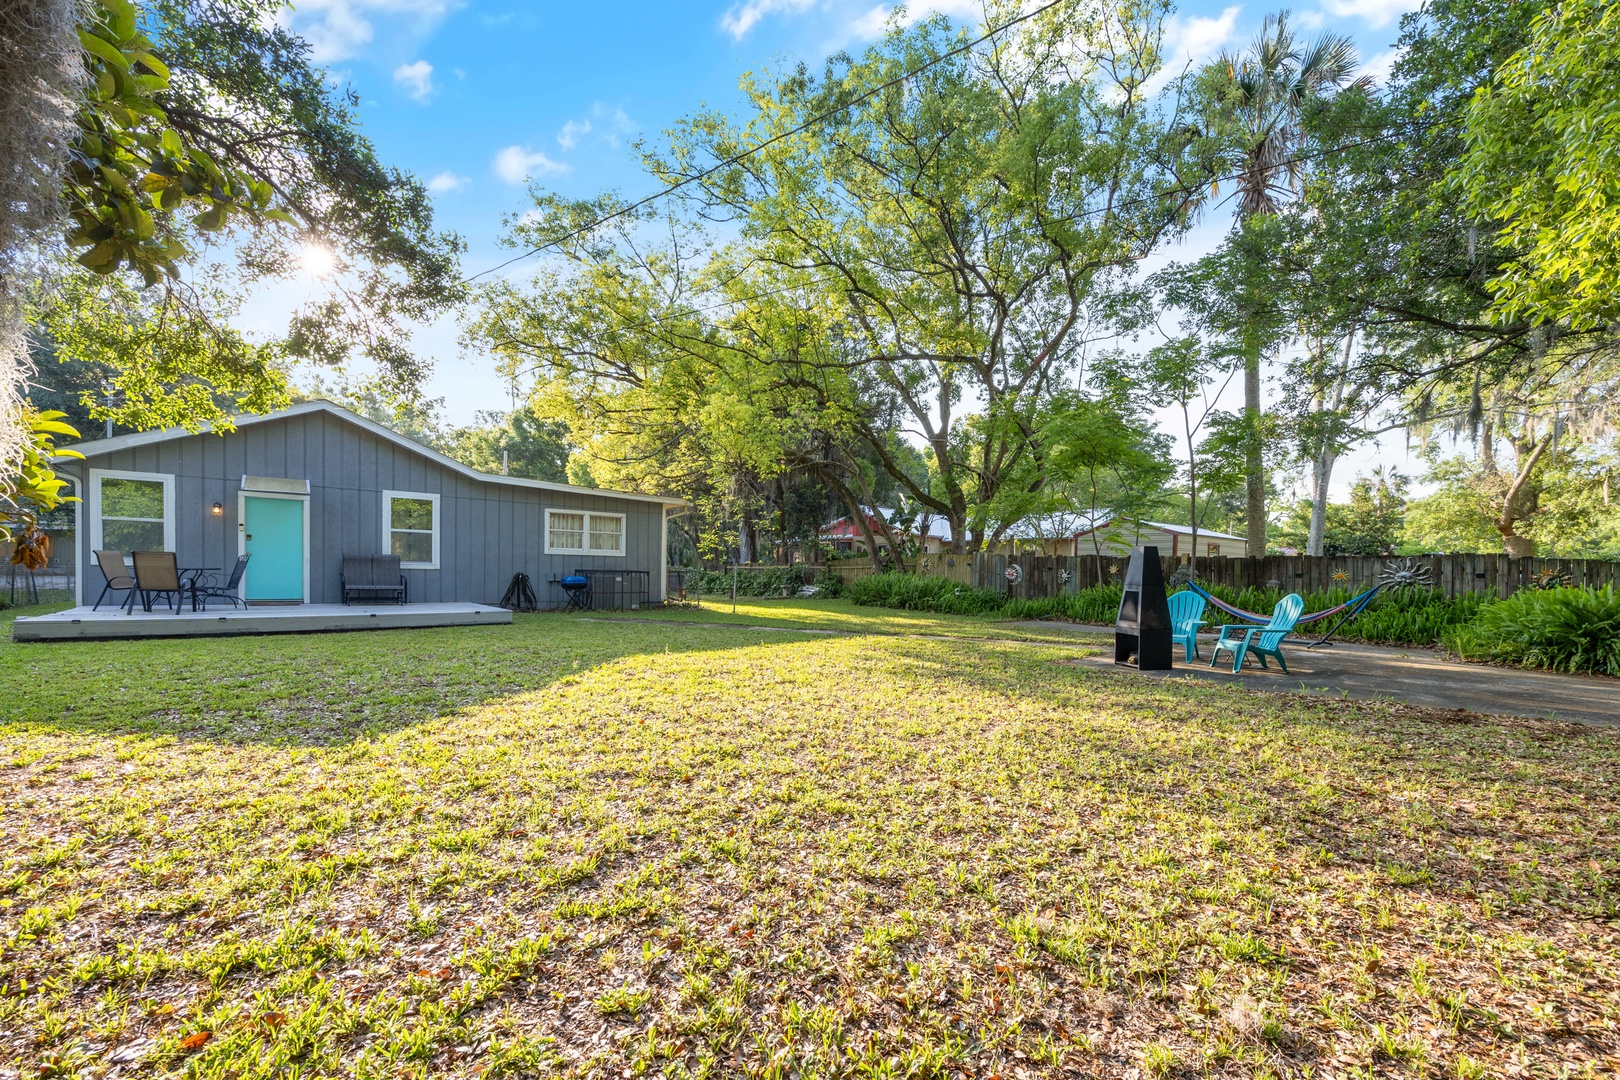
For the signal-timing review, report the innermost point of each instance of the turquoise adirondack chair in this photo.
(1263, 641)
(1186, 616)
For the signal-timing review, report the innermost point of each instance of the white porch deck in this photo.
(81, 623)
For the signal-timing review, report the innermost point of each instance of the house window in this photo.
(131, 511)
(579, 532)
(411, 528)
(607, 533)
(1214, 550)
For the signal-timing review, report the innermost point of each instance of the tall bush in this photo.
(1559, 629)
(767, 582)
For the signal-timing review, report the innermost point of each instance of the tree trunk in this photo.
(1321, 474)
(1256, 459)
(1520, 502)
(1192, 482)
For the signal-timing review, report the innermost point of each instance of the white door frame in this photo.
(241, 533)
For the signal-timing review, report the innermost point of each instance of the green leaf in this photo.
(103, 51)
(120, 18)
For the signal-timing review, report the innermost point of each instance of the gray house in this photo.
(301, 488)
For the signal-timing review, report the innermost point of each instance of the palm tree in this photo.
(1260, 101)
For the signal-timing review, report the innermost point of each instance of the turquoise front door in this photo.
(273, 534)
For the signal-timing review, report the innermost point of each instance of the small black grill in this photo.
(1142, 629)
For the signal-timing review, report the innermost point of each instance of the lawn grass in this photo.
(847, 617)
(605, 849)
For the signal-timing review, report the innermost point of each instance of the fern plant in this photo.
(1557, 629)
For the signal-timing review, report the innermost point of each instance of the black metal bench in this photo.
(373, 576)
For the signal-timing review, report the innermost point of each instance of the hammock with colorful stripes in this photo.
(1351, 607)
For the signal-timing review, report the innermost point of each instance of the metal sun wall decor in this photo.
(1406, 573)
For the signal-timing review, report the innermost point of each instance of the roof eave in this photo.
(146, 438)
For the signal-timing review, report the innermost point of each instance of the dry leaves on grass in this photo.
(851, 857)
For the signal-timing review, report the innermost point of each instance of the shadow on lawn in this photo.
(315, 689)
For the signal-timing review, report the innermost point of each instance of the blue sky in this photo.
(475, 96)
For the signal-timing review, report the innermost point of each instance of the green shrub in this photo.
(918, 592)
(1559, 629)
(1098, 605)
(830, 583)
(768, 582)
(1397, 617)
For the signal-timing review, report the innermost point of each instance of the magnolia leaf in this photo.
(103, 50)
(121, 18)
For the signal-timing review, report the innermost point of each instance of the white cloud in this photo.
(871, 24)
(517, 164)
(417, 79)
(1381, 65)
(615, 121)
(340, 29)
(571, 131)
(447, 182)
(740, 18)
(1375, 13)
(1188, 43)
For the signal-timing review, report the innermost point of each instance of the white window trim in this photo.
(585, 533)
(98, 475)
(388, 498)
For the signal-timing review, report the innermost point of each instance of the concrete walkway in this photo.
(1414, 676)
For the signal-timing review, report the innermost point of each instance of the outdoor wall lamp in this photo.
(218, 510)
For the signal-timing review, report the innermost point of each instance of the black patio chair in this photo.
(117, 574)
(208, 587)
(157, 573)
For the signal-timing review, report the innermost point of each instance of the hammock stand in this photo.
(1351, 608)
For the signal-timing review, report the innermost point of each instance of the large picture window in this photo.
(131, 511)
(581, 532)
(411, 528)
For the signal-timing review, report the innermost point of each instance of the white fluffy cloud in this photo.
(571, 133)
(517, 164)
(340, 29)
(740, 18)
(446, 182)
(416, 78)
(871, 23)
(1190, 42)
(1375, 13)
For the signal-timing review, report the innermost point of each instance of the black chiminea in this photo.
(1143, 627)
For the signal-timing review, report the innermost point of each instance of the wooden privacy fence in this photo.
(1454, 575)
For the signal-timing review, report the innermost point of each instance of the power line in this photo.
(1170, 193)
(736, 158)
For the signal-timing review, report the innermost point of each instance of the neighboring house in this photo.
(1055, 534)
(1082, 534)
(303, 487)
(846, 538)
(1118, 536)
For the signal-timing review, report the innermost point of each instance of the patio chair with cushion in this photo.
(209, 587)
(113, 569)
(372, 576)
(157, 573)
(1186, 616)
(1263, 641)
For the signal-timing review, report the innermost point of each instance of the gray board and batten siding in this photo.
(490, 527)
